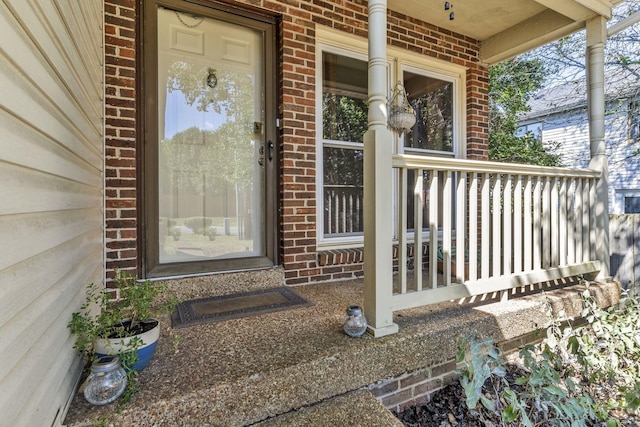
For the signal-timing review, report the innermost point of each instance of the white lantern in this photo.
(402, 117)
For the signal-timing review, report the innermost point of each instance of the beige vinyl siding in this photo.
(51, 197)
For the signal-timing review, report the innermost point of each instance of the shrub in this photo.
(176, 233)
(211, 232)
(563, 380)
(198, 224)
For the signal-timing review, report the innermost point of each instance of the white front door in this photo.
(213, 158)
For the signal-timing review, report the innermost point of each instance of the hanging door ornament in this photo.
(212, 80)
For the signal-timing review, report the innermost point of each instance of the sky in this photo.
(180, 116)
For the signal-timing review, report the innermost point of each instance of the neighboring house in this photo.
(177, 138)
(559, 114)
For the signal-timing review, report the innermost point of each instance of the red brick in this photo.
(385, 388)
(397, 398)
(413, 379)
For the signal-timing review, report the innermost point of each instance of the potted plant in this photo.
(122, 326)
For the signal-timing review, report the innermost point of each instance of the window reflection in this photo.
(432, 100)
(344, 122)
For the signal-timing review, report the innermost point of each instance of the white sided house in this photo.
(559, 114)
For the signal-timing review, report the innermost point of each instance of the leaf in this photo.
(526, 422)
(510, 413)
(573, 344)
(488, 403)
(472, 398)
(633, 399)
(464, 382)
(499, 371)
(493, 353)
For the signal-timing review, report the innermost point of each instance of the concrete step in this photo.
(299, 363)
(356, 408)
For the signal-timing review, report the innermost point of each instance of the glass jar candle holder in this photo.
(355, 323)
(106, 382)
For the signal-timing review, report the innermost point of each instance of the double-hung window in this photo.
(433, 97)
(344, 122)
(433, 89)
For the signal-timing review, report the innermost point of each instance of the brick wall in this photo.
(418, 387)
(478, 112)
(415, 387)
(298, 251)
(120, 130)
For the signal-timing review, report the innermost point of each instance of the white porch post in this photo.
(596, 39)
(378, 263)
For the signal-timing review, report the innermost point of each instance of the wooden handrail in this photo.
(410, 161)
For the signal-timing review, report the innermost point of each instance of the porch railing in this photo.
(344, 209)
(489, 227)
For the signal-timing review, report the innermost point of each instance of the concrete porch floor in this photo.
(263, 369)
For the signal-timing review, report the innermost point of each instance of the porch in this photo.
(297, 367)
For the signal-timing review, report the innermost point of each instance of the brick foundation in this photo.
(414, 388)
(418, 387)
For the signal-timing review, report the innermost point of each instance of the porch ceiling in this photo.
(507, 27)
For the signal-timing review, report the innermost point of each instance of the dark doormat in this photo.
(218, 309)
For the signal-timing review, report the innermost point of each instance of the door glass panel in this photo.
(211, 144)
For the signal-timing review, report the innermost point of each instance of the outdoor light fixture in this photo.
(106, 382)
(402, 117)
(448, 6)
(355, 324)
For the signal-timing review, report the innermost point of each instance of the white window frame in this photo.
(328, 40)
(431, 67)
(536, 128)
(620, 195)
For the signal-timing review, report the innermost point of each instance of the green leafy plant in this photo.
(540, 394)
(550, 392)
(609, 349)
(483, 379)
(485, 364)
(102, 316)
(560, 381)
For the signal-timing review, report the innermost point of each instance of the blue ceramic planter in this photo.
(115, 346)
